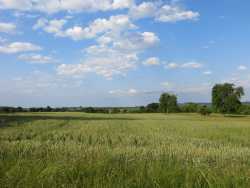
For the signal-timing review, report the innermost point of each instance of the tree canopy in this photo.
(168, 103)
(226, 98)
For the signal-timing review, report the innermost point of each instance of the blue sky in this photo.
(120, 52)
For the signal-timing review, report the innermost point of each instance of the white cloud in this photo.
(16, 4)
(169, 13)
(207, 72)
(118, 4)
(99, 26)
(129, 92)
(7, 27)
(78, 33)
(54, 6)
(114, 23)
(17, 47)
(136, 41)
(150, 38)
(118, 44)
(104, 62)
(40, 23)
(36, 59)
(116, 57)
(172, 66)
(51, 26)
(162, 12)
(144, 10)
(242, 68)
(152, 61)
(188, 65)
(116, 51)
(192, 65)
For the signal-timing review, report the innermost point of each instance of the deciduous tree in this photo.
(226, 98)
(168, 103)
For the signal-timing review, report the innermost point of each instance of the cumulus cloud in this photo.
(51, 26)
(118, 41)
(105, 62)
(114, 23)
(152, 61)
(136, 41)
(144, 10)
(116, 49)
(7, 27)
(169, 13)
(162, 12)
(99, 26)
(115, 58)
(150, 38)
(54, 6)
(159, 11)
(36, 59)
(17, 47)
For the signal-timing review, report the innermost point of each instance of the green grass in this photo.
(128, 150)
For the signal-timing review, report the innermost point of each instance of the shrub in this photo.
(205, 111)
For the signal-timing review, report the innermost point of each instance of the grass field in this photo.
(127, 150)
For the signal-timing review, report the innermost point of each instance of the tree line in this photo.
(226, 99)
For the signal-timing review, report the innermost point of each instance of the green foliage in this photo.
(245, 109)
(123, 150)
(226, 98)
(6, 109)
(142, 109)
(204, 110)
(168, 103)
(153, 107)
(189, 108)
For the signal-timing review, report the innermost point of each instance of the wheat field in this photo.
(124, 150)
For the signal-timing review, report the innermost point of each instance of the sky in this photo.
(120, 52)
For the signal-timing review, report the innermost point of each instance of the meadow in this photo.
(124, 150)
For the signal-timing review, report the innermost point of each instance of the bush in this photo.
(205, 111)
(245, 109)
(189, 108)
(153, 107)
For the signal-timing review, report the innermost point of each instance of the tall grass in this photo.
(137, 150)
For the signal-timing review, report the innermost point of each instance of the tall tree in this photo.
(168, 103)
(226, 98)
